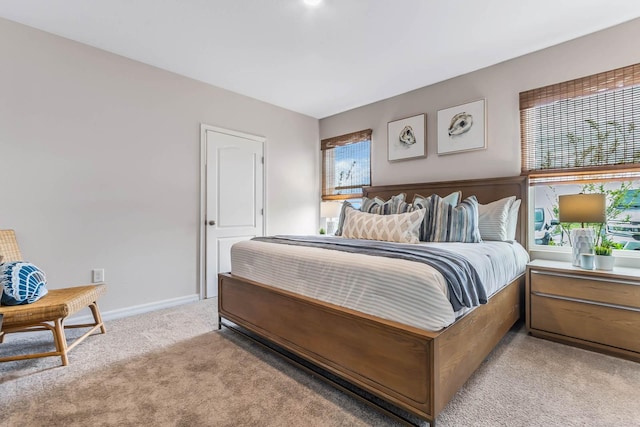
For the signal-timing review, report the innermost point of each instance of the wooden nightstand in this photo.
(597, 310)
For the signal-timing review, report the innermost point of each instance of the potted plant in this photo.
(603, 255)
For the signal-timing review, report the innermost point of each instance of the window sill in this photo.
(563, 253)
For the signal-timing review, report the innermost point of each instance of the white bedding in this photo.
(408, 292)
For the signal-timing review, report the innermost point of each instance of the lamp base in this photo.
(332, 226)
(582, 240)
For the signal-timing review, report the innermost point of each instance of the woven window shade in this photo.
(585, 125)
(346, 165)
(584, 177)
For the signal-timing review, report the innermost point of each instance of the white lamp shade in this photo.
(330, 209)
(582, 208)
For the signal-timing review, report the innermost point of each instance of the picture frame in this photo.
(462, 128)
(406, 138)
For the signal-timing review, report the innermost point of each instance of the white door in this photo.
(234, 197)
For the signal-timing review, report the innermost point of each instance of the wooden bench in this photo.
(49, 312)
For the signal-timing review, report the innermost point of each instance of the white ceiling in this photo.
(326, 59)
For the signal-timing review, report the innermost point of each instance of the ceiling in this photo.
(326, 59)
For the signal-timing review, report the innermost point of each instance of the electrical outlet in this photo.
(97, 275)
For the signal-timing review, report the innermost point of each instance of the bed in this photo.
(408, 367)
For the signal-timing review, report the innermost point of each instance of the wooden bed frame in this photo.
(413, 369)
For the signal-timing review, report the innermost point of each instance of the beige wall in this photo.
(100, 165)
(500, 86)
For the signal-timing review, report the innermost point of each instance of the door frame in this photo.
(202, 262)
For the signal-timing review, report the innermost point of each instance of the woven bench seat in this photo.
(57, 304)
(50, 311)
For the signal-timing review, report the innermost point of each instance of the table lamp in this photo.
(582, 208)
(330, 211)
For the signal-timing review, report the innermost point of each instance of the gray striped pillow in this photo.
(420, 202)
(371, 205)
(380, 207)
(343, 211)
(493, 219)
(453, 223)
(393, 205)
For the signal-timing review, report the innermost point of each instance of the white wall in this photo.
(100, 165)
(500, 86)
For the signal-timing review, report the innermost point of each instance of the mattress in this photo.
(407, 292)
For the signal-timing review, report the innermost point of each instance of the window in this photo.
(346, 165)
(623, 212)
(584, 136)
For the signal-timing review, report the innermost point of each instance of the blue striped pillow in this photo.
(450, 223)
(395, 205)
(380, 207)
(21, 283)
(420, 202)
(343, 213)
(371, 205)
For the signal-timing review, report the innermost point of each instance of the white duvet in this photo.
(408, 292)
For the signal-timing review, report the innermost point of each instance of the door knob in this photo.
(212, 222)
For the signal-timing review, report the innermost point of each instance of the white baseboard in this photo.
(136, 309)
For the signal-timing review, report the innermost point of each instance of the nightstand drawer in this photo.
(610, 326)
(607, 291)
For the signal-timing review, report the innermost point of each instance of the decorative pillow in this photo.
(371, 205)
(453, 223)
(403, 207)
(343, 211)
(453, 198)
(493, 219)
(21, 283)
(512, 222)
(400, 228)
(379, 206)
(393, 205)
(421, 202)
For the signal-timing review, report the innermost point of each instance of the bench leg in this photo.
(97, 317)
(61, 341)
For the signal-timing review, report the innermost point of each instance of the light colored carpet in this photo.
(173, 368)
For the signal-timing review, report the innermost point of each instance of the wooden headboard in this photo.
(486, 190)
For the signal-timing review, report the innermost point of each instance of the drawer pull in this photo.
(589, 277)
(584, 301)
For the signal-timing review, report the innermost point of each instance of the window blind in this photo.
(346, 165)
(583, 125)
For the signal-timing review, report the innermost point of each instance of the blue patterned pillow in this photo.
(393, 205)
(420, 202)
(343, 213)
(450, 223)
(371, 205)
(21, 283)
(378, 206)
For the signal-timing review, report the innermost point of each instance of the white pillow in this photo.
(512, 223)
(400, 228)
(493, 219)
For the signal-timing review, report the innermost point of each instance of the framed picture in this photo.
(407, 138)
(462, 128)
